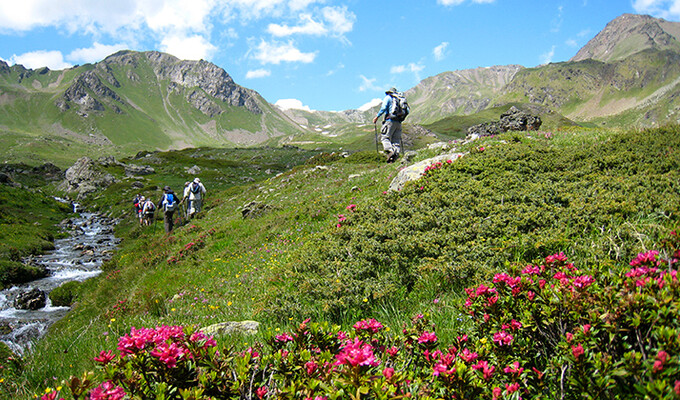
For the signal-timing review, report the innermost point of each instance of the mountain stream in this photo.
(75, 258)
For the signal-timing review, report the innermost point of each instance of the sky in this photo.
(326, 55)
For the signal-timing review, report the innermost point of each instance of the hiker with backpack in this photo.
(395, 108)
(193, 193)
(168, 204)
(148, 211)
(137, 201)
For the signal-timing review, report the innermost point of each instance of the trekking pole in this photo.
(375, 128)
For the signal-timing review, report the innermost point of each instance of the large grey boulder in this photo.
(415, 171)
(84, 177)
(232, 327)
(137, 170)
(512, 120)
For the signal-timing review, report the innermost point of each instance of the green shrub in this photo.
(66, 294)
(14, 272)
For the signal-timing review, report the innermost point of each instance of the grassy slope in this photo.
(230, 268)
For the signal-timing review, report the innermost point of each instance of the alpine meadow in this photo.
(524, 244)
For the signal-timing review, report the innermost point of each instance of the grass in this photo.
(497, 206)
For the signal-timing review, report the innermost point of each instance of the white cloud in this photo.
(571, 43)
(368, 84)
(411, 67)
(258, 73)
(339, 19)
(459, 2)
(373, 103)
(95, 53)
(37, 59)
(277, 52)
(557, 22)
(188, 47)
(286, 104)
(307, 27)
(667, 9)
(440, 51)
(547, 57)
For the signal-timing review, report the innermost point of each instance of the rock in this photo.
(195, 170)
(232, 327)
(511, 120)
(137, 185)
(439, 146)
(135, 170)
(415, 171)
(33, 299)
(255, 209)
(84, 177)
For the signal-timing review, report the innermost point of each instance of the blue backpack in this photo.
(170, 202)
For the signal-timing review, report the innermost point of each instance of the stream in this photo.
(75, 258)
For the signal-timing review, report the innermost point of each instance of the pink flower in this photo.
(352, 207)
(107, 391)
(676, 388)
(392, 351)
(660, 362)
(427, 337)
(388, 373)
(368, 325)
(283, 338)
(261, 392)
(311, 367)
(168, 353)
(105, 357)
(496, 392)
(511, 388)
(502, 338)
(513, 368)
(556, 258)
(487, 370)
(645, 259)
(52, 395)
(570, 337)
(577, 350)
(586, 329)
(468, 356)
(357, 353)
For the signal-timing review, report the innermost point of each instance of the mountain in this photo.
(132, 101)
(630, 34)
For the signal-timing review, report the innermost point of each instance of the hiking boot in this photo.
(388, 155)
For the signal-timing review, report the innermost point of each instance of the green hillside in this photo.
(334, 246)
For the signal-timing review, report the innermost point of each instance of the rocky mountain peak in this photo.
(629, 34)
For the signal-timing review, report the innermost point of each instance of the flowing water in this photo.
(75, 258)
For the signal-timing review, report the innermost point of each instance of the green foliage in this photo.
(12, 272)
(66, 294)
(465, 219)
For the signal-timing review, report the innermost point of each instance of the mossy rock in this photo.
(13, 272)
(66, 294)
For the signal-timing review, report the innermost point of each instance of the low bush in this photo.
(65, 295)
(543, 331)
(14, 272)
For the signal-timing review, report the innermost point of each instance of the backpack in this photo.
(399, 109)
(150, 208)
(170, 202)
(195, 188)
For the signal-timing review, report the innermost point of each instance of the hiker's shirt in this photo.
(386, 107)
(191, 195)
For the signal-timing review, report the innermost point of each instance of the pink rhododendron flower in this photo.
(368, 325)
(586, 329)
(169, 353)
(676, 388)
(51, 395)
(105, 357)
(284, 338)
(487, 370)
(513, 368)
(392, 351)
(660, 362)
(468, 356)
(583, 281)
(570, 337)
(502, 338)
(427, 337)
(352, 207)
(261, 392)
(556, 258)
(107, 391)
(311, 367)
(496, 392)
(357, 353)
(577, 350)
(511, 388)
(388, 372)
(646, 259)
(532, 270)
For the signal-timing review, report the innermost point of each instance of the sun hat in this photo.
(391, 90)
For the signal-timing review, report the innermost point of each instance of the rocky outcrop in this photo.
(511, 120)
(33, 299)
(137, 170)
(87, 92)
(85, 177)
(232, 327)
(254, 209)
(415, 171)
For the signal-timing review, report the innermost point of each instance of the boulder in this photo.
(136, 170)
(232, 327)
(33, 299)
(511, 120)
(254, 209)
(84, 177)
(415, 171)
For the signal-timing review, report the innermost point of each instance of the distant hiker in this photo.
(395, 108)
(193, 193)
(137, 201)
(168, 204)
(148, 211)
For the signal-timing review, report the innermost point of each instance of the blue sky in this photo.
(320, 54)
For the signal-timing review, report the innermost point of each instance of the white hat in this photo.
(197, 180)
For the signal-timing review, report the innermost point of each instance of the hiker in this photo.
(137, 201)
(396, 109)
(148, 211)
(193, 193)
(168, 204)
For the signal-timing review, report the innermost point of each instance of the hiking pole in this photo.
(375, 128)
